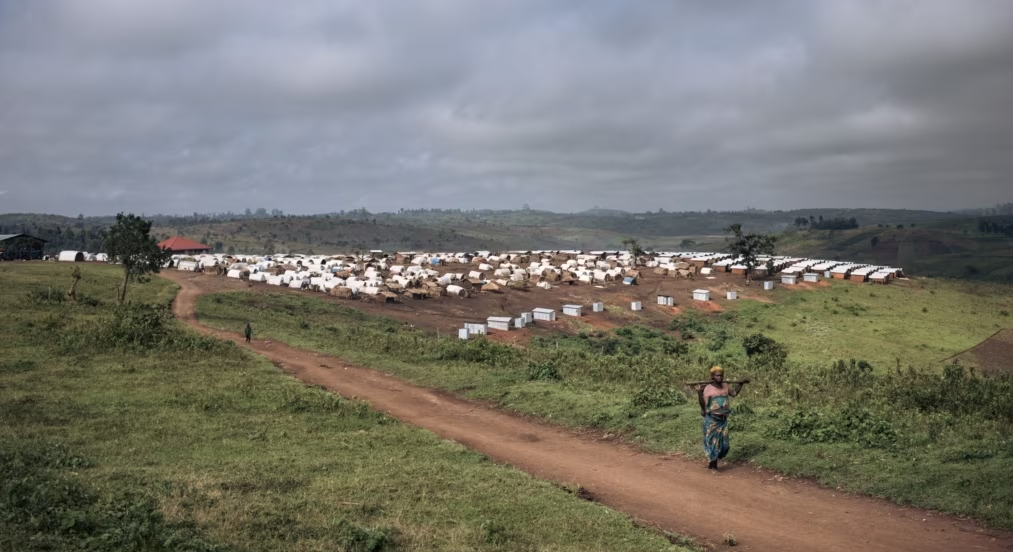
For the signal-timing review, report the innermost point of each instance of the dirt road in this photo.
(763, 511)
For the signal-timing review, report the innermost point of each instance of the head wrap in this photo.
(717, 369)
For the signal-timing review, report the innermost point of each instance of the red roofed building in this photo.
(178, 244)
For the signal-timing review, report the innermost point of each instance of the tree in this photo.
(633, 246)
(130, 243)
(874, 241)
(749, 247)
(687, 243)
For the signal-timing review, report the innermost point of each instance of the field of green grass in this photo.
(917, 322)
(894, 422)
(122, 430)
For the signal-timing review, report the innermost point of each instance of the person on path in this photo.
(248, 332)
(715, 405)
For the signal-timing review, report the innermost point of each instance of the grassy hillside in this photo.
(851, 390)
(951, 248)
(121, 430)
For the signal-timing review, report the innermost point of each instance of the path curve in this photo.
(764, 511)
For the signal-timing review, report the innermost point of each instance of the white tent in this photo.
(72, 256)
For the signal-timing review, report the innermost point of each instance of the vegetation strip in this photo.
(122, 430)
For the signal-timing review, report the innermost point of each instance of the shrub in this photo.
(47, 296)
(758, 344)
(544, 371)
(853, 373)
(852, 424)
(656, 396)
(138, 325)
(354, 538)
(688, 322)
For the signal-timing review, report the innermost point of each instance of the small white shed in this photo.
(789, 279)
(666, 300)
(571, 310)
(731, 295)
(499, 323)
(519, 323)
(811, 277)
(462, 333)
(544, 314)
(701, 295)
(598, 306)
(768, 285)
(475, 329)
(636, 306)
(528, 317)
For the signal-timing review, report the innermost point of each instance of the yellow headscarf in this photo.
(717, 369)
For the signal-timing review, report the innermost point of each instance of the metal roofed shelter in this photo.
(811, 277)
(499, 323)
(789, 279)
(179, 244)
(701, 295)
(544, 314)
(571, 310)
(17, 247)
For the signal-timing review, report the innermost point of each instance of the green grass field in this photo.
(917, 322)
(916, 433)
(141, 435)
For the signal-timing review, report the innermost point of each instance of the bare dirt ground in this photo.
(993, 356)
(447, 314)
(763, 510)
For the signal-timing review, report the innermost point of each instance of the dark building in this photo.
(16, 247)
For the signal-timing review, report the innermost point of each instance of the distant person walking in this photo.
(715, 405)
(248, 332)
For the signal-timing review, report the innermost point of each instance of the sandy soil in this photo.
(765, 511)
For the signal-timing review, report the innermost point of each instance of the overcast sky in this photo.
(176, 106)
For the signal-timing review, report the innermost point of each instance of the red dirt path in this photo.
(765, 511)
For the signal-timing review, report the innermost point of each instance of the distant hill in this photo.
(951, 248)
(599, 212)
(930, 243)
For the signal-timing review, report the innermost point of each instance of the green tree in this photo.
(687, 243)
(633, 246)
(749, 247)
(874, 241)
(130, 243)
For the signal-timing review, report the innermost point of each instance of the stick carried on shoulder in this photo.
(692, 383)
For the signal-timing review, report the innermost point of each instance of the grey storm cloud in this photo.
(177, 106)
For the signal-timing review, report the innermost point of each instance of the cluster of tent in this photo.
(414, 274)
(79, 257)
(688, 263)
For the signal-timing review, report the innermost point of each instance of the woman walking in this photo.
(715, 406)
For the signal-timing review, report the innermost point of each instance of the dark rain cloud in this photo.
(321, 105)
